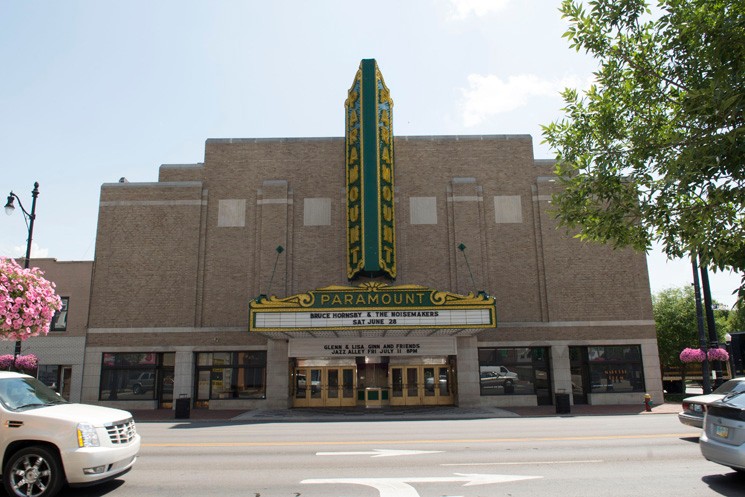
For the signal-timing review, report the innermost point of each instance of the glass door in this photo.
(300, 387)
(317, 387)
(580, 374)
(324, 387)
(333, 391)
(165, 380)
(420, 385)
(65, 382)
(444, 393)
(431, 387)
(412, 390)
(397, 386)
(348, 387)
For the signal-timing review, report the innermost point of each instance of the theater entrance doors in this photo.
(416, 385)
(324, 386)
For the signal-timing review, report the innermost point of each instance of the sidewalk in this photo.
(305, 415)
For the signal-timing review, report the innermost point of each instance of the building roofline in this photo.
(398, 137)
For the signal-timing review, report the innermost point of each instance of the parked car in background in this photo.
(723, 438)
(47, 442)
(142, 383)
(497, 376)
(694, 407)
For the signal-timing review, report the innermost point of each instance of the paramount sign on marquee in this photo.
(372, 306)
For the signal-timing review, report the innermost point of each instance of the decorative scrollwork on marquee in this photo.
(374, 294)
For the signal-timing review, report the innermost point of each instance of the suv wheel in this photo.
(137, 389)
(33, 472)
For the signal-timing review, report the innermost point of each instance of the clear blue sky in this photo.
(92, 91)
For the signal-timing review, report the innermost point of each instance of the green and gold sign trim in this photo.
(355, 206)
(384, 175)
(371, 234)
(372, 306)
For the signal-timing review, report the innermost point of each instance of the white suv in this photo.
(46, 442)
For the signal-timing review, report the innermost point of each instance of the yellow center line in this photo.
(414, 442)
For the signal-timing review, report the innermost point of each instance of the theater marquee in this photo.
(372, 306)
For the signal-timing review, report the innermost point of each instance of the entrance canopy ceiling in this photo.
(372, 310)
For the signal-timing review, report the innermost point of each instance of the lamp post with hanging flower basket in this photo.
(689, 355)
(27, 303)
(718, 354)
(24, 363)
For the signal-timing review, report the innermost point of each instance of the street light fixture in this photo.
(29, 218)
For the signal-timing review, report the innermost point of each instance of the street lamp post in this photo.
(29, 218)
(705, 371)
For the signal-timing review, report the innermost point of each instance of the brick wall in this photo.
(167, 256)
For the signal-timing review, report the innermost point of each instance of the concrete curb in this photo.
(307, 415)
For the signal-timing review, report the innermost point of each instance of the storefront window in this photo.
(136, 376)
(616, 369)
(514, 371)
(231, 375)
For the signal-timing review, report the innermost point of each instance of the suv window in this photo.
(24, 393)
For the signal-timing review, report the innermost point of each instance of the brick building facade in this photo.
(180, 261)
(61, 351)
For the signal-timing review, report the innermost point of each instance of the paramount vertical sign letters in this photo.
(371, 234)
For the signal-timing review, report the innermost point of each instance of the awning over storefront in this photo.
(372, 310)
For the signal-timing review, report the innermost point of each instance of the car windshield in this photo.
(730, 386)
(26, 392)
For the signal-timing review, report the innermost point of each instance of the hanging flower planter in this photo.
(27, 301)
(692, 355)
(24, 363)
(718, 354)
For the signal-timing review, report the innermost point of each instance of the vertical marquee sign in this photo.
(371, 239)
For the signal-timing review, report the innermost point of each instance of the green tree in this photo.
(675, 320)
(735, 319)
(655, 149)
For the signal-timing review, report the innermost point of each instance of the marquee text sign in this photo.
(432, 346)
(372, 306)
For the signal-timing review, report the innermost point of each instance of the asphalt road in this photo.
(553, 456)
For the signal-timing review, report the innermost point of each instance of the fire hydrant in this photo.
(647, 402)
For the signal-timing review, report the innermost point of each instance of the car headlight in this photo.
(87, 436)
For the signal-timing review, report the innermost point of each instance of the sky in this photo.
(93, 91)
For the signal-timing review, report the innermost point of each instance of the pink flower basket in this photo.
(27, 301)
(718, 354)
(692, 355)
(25, 363)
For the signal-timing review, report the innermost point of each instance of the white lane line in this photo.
(523, 463)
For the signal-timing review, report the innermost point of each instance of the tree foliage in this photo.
(675, 320)
(735, 319)
(655, 149)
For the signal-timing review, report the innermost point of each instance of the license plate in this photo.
(721, 431)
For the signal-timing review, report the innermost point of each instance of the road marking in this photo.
(399, 487)
(414, 442)
(380, 453)
(589, 461)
